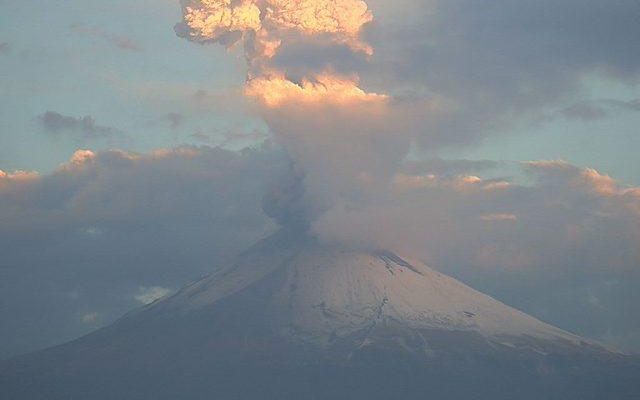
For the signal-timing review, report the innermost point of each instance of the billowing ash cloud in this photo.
(454, 73)
(263, 26)
(450, 71)
(289, 204)
(338, 135)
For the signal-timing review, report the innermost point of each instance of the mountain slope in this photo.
(294, 318)
(328, 291)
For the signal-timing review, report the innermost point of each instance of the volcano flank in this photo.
(294, 318)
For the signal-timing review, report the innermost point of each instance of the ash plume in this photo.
(264, 26)
(288, 203)
(343, 140)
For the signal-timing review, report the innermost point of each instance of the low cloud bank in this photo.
(109, 230)
(80, 242)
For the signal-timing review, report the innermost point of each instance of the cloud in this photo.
(571, 226)
(449, 167)
(444, 73)
(599, 109)
(224, 139)
(567, 210)
(451, 73)
(86, 237)
(290, 204)
(96, 228)
(276, 91)
(4, 47)
(341, 138)
(17, 176)
(343, 142)
(84, 127)
(263, 25)
(459, 72)
(463, 71)
(102, 189)
(448, 74)
(120, 42)
(498, 65)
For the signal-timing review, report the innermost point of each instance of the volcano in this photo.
(295, 318)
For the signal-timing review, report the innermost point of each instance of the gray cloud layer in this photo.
(500, 62)
(599, 109)
(561, 247)
(107, 231)
(80, 245)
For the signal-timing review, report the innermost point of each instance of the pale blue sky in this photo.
(610, 144)
(63, 56)
(67, 57)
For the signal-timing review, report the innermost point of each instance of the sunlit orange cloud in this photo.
(81, 156)
(210, 19)
(588, 179)
(262, 26)
(19, 175)
(405, 183)
(264, 21)
(275, 91)
(345, 18)
(8, 178)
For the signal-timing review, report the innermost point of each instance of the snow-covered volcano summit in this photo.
(293, 318)
(320, 293)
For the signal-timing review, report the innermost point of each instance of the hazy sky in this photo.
(436, 110)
